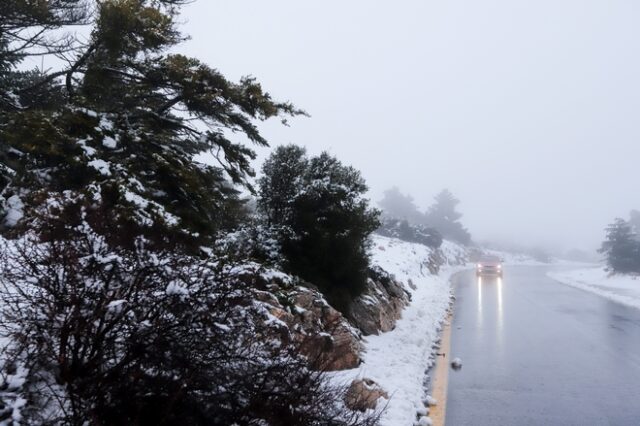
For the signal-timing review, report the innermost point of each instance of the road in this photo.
(537, 352)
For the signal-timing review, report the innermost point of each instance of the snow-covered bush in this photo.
(252, 241)
(101, 336)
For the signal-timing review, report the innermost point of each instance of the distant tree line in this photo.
(442, 216)
(621, 247)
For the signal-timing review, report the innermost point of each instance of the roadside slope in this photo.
(398, 360)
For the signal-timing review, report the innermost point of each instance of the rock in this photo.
(424, 421)
(430, 401)
(422, 411)
(456, 364)
(411, 284)
(380, 306)
(363, 394)
(325, 335)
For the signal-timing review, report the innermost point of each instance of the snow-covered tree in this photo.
(324, 233)
(281, 181)
(30, 28)
(117, 146)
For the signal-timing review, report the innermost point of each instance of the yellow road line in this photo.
(440, 378)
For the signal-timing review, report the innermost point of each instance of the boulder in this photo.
(328, 339)
(380, 306)
(363, 394)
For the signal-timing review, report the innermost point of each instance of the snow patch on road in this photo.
(623, 289)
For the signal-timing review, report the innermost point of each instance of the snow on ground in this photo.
(623, 289)
(397, 360)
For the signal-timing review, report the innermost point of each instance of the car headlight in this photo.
(479, 266)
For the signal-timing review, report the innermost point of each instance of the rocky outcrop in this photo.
(363, 395)
(324, 335)
(381, 305)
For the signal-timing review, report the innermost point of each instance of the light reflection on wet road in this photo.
(536, 352)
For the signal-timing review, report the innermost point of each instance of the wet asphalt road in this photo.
(536, 352)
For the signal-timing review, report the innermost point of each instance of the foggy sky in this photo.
(526, 110)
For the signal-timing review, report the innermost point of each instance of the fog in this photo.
(526, 110)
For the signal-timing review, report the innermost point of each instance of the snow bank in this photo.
(398, 360)
(623, 289)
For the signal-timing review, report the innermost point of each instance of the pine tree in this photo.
(281, 181)
(621, 248)
(397, 205)
(29, 28)
(117, 151)
(327, 220)
(444, 217)
(634, 221)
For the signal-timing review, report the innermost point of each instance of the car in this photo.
(489, 265)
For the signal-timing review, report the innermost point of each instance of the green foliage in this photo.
(318, 201)
(120, 126)
(28, 27)
(281, 181)
(621, 248)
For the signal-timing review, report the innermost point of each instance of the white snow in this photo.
(422, 411)
(15, 381)
(397, 360)
(222, 327)
(425, 421)
(15, 208)
(109, 142)
(623, 289)
(430, 401)
(115, 307)
(175, 289)
(101, 166)
(89, 151)
(143, 203)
